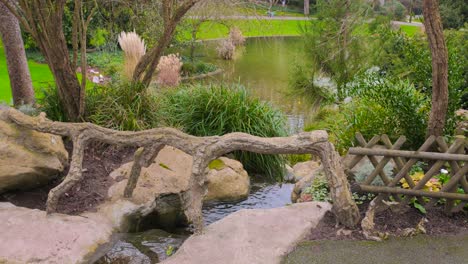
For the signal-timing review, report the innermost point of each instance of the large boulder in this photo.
(170, 173)
(227, 180)
(28, 158)
(305, 169)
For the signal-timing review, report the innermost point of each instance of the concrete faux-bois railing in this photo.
(202, 149)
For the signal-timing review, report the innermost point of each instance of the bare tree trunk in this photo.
(172, 14)
(306, 7)
(20, 78)
(435, 36)
(44, 20)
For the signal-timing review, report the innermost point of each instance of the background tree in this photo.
(435, 36)
(454, 13)
(20, 78)
(172, 13)
(336, 47)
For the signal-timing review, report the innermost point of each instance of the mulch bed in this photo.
(100, 160)
(394, 224)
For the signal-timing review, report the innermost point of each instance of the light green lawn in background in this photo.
(250, 28)
(40, 74)
(410, 30)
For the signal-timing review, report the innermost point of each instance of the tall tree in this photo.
(44, 21)
(334, 47)
(435, 36)
(20, 78)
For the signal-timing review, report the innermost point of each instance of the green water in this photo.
(264, 67)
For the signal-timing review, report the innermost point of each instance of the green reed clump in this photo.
(218, 109)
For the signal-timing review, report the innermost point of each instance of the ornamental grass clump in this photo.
(236, 36)
(134, 48)
(226, 49)
(219, 109)
(169, 70)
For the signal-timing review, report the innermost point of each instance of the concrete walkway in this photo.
(416, 250)
(259, 236)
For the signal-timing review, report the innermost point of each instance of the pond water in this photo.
(154, 245)
(264, 67)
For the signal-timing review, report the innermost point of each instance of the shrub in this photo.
(410, 57)
(221, 109)
(122, 106)
(134, 48)
(99, 37)
(236, 37)
(50, 104)
(168, 69)
(379, 106)
(226, 49)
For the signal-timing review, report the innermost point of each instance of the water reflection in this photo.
(262, 196)
(264, 68)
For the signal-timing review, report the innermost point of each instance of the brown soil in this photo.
(394, 224)
(100, 160)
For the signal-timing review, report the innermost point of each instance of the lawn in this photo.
(410, 30)
(40, 74)
(250, 28)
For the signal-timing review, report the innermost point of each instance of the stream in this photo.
(155, 245)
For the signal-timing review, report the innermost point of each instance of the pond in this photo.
(264, 67)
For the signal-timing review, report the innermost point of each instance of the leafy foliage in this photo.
(335, 43)
(379, 106)
(319, 190)
(122, 106)
(410, 58)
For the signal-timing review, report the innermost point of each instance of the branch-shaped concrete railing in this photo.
(202, 149)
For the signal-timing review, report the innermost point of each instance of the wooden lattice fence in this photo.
(453, 157)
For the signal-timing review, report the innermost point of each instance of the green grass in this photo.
(218, 109)
(250, 28)
(40, 74)
(410, 30)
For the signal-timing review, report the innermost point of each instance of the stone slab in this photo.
(256, 236)
(32, 236)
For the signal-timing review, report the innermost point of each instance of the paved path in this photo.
(258, 236)
(416, 250)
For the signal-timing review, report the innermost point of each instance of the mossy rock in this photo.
(216, 164)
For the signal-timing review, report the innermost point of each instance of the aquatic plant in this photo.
(226, 49)
(236, 36)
